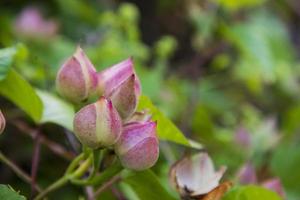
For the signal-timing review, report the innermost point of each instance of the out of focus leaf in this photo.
(147, 186)
(251, 192)
(7, 56)
(291, 120)
(265, 57)
(8, 193)
(165, 46)
(235, 5)
(285, 164)
(19, 91)
(165, 128)
(56, 110)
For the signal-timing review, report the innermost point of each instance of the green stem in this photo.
(68, 175)
(57, 184)
(101, 178)
(106, 175)
(74, 163)
(82, 168)
(97, 157)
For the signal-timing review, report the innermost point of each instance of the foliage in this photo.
(6, 192)
(251, 192)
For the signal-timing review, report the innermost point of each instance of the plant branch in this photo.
(57, 184)
(35, 160)
(106, 175)
(89, 193)
(53, 146)
(106, 185)
(19, 172)
(64, 180)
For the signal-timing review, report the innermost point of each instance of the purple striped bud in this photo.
(98, 125)
(125, 98)
(113, 77)
(2, 122)
(77, 78)
(138, 147)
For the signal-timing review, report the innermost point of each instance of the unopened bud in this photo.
(113, 77)
(77, 78)
(125, 98)
(138, 147)
(98, 125)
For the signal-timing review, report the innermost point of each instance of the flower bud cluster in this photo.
(111, 121)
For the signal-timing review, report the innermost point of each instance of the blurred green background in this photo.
(226, 72)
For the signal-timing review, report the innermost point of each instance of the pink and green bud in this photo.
(2, 122)
(138, 147)
(98, 125)
(125, 98)
(113, 77)
(77, 78)
(194, 176)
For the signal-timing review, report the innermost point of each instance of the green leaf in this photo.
(251, 192)
(19, 91)
(147, 186)
(56, 110)
(8, 193)
(6, 60)
(165, 128)
(285, 163)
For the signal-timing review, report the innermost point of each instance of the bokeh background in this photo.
(226, 72)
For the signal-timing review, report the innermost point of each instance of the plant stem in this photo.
(53, 146)
(68, 176)
(106, 175)
(74, 163)
(82, 168)
(35, 160)
(17, 170)
(107, 184)
(57, 184)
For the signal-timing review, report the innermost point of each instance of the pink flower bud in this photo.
(98, 125)
(275, 185)
(77, 78)
(138, 147)
(31, 24)
(247, 174)
(113, 77)
(195, 175)
(125, 98)
(2, 122)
